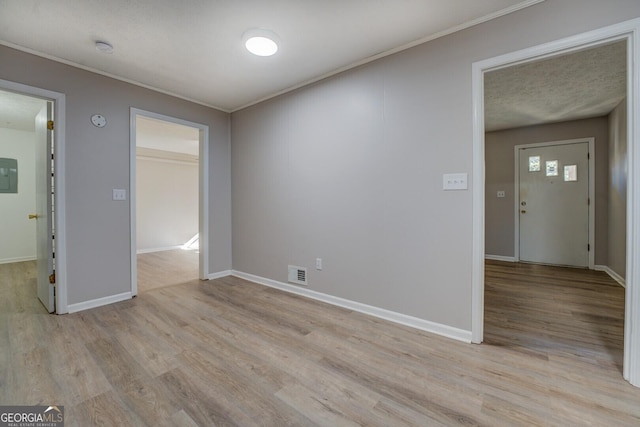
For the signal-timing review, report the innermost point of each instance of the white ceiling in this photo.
(193, 48)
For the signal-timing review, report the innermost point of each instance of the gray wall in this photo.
(499, 162)
(350, 169)
(97, 160)
(618, 189)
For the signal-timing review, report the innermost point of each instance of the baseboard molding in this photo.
(18, 259)
(615, 276)
(403, 319)
(219, 274)
(500, 258)
(162, 249)
(74, 308)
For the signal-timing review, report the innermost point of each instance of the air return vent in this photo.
(297, 275)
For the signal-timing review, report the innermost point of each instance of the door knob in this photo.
(33, 216)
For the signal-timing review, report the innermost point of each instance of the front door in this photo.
(43, 216)
(554, 204)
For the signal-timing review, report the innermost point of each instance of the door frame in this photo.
(203, 191)
(60, 242)
(592, 197)
(629, 31)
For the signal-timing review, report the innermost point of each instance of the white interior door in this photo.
(554, 204)
(44, 244)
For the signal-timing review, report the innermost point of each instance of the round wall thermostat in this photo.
(99, 120)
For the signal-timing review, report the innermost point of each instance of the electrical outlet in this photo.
(500, 194)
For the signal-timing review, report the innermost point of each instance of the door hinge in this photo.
(588, 247)
(588, 156)
(52, 278)
(50, 124)
(589, 201)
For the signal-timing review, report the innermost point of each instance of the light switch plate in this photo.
(119, 194)
(454, 181)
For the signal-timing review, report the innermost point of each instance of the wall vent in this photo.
(297, 275)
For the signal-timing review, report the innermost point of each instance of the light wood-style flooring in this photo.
(229, 352)
(166, 268)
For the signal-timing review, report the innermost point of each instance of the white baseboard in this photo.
(500, 258)
(18, 259)
(403, 319)
(86, 305)
(615, 276)
(164, 248)
(219, 274)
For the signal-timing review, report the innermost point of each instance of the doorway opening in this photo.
(168, 201)
(626, 33)
(31, 191)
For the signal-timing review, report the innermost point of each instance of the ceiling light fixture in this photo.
(261, 42)
(104, 47)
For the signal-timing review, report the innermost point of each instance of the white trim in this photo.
(477, 206)
(592, 192)
(99, 302)
(500, 258)
(631, 364)
(615, 276)
(203, 196)
(219, 274)
(60, 242)
(161, 249)
(18, 259)
(392, 316)
(629, 31)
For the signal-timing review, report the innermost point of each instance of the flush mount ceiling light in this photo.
(261, 42)
(104, 47)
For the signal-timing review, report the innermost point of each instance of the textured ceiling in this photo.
(206, 63)
(193, 48)
(588, 83)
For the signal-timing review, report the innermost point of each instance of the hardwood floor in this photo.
(166, 268)
(229, 352)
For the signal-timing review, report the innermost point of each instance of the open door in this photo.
(43, 215)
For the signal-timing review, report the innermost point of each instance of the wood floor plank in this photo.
(166, 268)
(106, 410)
(202, 406)
(231, 352)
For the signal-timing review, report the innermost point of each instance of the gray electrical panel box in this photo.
(8, 175)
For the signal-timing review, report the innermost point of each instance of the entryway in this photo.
(625, 33)
(27, 178)
(168, 201)
(553, 203)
